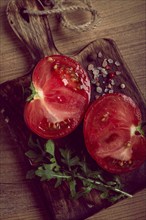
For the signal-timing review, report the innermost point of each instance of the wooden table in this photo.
(124, 21)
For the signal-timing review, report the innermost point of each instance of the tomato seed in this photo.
(121, 163)
(128, 144)
(105, 116)
(50, 59)
(57, 125)
(65, 81)
(55, 67)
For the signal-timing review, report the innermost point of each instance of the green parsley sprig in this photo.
(73, 170)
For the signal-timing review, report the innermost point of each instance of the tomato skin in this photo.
(62, 94)
(109, 132)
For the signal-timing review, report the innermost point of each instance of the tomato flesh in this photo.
(110, 133)
(62, 94)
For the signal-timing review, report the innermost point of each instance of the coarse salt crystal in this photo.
(2, 110)
(65, 81)
(99, 68)
(110, 61)
(106, 90)
(100, 54)
(104, 71)
(111, 91)
(98, 89)
(90, 67)
(122, 86)
(104, 64)
(112, 82)
(117, 63)
(118, 73)
(109, 86)
(7, 120)
(95, 71)
(93, 81)
(97, 83)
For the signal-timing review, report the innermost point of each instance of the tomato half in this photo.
(61, 93)
(110, 132)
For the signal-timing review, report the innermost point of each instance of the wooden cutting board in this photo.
(35, 32)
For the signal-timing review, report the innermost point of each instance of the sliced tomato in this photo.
(110, 126)
(61, 94)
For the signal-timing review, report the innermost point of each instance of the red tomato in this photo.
(110, 126)
(60, 97)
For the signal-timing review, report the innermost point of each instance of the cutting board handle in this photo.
(34, 31)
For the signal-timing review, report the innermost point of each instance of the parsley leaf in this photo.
(49, 147)
(72, 169)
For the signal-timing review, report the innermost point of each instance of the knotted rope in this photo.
(58, 7)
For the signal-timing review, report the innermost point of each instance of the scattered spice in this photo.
(111, 91)
(98, 89)
(90, 67)
(117, 63)
(104, 64)
(112, 82)
(2, 110)
(110, 61)
(93, 81)
(118, 73)
(106, 90)
(7, 120)
(96, 72)
(103, 73)
(111, 75)
(109, 86)
(122, 86)
(100, 54)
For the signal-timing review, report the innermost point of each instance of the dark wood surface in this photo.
(19, 195)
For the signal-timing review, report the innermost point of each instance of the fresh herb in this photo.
(36, 154)
(33, 93)
(74, 170)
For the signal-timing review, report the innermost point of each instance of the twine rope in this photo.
(60, 9)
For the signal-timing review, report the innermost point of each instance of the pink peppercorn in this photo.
(111, 75)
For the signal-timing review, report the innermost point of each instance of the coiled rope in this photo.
(58, 7)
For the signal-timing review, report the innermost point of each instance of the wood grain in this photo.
(12, 97)
(120, 21)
